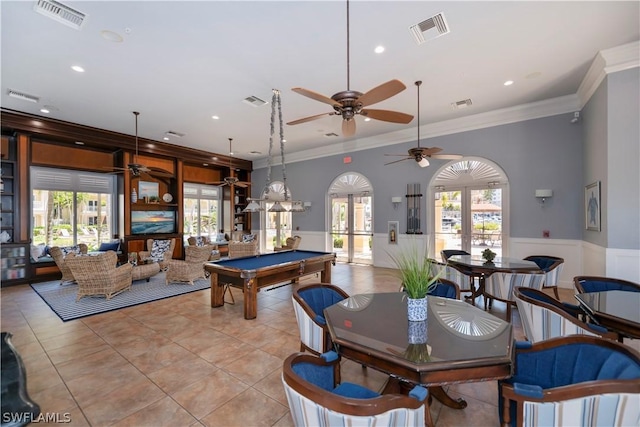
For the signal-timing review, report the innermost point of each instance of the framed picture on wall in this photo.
(147, 189)
(592, 206)
(393, 232)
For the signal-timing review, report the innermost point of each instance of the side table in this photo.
(145, 271)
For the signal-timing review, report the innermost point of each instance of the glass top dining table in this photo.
(457, 343)
(479, 264)
(615, 310)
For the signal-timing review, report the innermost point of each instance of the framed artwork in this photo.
(393, 232)
(592, 206)
(147, 189)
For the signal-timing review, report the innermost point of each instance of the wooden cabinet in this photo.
(14, 258)
(9, 202)
(241, 220)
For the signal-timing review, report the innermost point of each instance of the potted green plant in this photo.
(488, 255)
(418, 279)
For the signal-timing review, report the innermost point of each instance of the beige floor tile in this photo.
(271, 385)
(254, 367)
(163, 413)
(211, 392)
(265, 411)
(181, 374)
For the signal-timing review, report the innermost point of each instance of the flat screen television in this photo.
(153, 222)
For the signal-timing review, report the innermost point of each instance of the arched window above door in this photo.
(468, 171)
(350, 183)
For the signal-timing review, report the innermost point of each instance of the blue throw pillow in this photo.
(113, 246)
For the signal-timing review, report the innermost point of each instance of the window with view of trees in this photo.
(201, 210)
(71, 207)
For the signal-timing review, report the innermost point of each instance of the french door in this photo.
(351, 228)
(469, 219)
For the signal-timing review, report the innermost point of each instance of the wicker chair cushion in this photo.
(158, 249)
(248, 238)
(201, 241)
(66, 250)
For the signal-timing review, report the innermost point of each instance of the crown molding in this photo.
(607, 61)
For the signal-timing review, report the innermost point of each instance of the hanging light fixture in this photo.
(255, 204)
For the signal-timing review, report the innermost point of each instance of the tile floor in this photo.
(179, 362)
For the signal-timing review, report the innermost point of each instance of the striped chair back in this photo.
(542, 320)
(501, 285)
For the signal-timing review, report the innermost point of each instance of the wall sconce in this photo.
(396, 202)
(307, 205)
(544, 194)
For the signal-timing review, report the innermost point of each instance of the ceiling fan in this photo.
(137, 169)
(349, 103)
(422, 154)
(230, 180)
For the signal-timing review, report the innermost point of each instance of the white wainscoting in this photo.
(623, 264)
(580, 258)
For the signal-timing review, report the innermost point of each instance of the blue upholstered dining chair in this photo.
(573, 380)
(317, 397)
(447, 253)
(586, 284)
(309, 303)
(501, 284)
(544, 317)
(552, 267)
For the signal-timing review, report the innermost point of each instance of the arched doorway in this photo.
(469, 207)
(351, 218)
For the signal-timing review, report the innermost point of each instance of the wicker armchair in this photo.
(98, 274)
(291, 243)
(59, 253)
(192, 267)
(202, 241)
(158, 252)
(240, 249)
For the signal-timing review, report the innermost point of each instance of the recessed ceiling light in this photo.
(508, 83)
(215, 117)
(379, 49)
(205, 164)
(77, 68)
(214, 158)
(111, 36)
(79, 143)
(368, 119)
(44, 110)
(166, 138)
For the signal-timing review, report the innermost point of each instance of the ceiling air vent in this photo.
(23, 96)
(254, 101)
(461, 104)
(330, 135)
(429, 29)
(61, 13)
(174, 134)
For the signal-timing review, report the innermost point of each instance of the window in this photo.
(71, 207)
(201, 210)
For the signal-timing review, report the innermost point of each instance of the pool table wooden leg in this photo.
(250, 299)
(217, 291)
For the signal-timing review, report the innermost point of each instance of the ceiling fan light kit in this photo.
(422, 154)
(350, 103)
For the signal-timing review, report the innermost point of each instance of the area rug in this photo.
(62, 299)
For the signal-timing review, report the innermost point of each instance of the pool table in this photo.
(255, 272)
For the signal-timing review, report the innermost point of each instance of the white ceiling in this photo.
(182, 62)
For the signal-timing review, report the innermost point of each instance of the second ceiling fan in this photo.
(422, 154)
(230, 180)
(349, 103)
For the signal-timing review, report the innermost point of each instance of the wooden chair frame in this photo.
(577, 282)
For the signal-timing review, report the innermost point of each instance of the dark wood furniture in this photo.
(255, 272)
(476, 266)
(586, 284)
(458, 342)
(617, 311)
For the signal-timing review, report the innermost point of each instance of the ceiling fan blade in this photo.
(404, 155)
(382, 92)
(388, 116)
(314, 95)
(158, 172)
(446, 156)
(430, 151)
(241, 184)
(310, 118)
(348, 127)
(397, 161)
